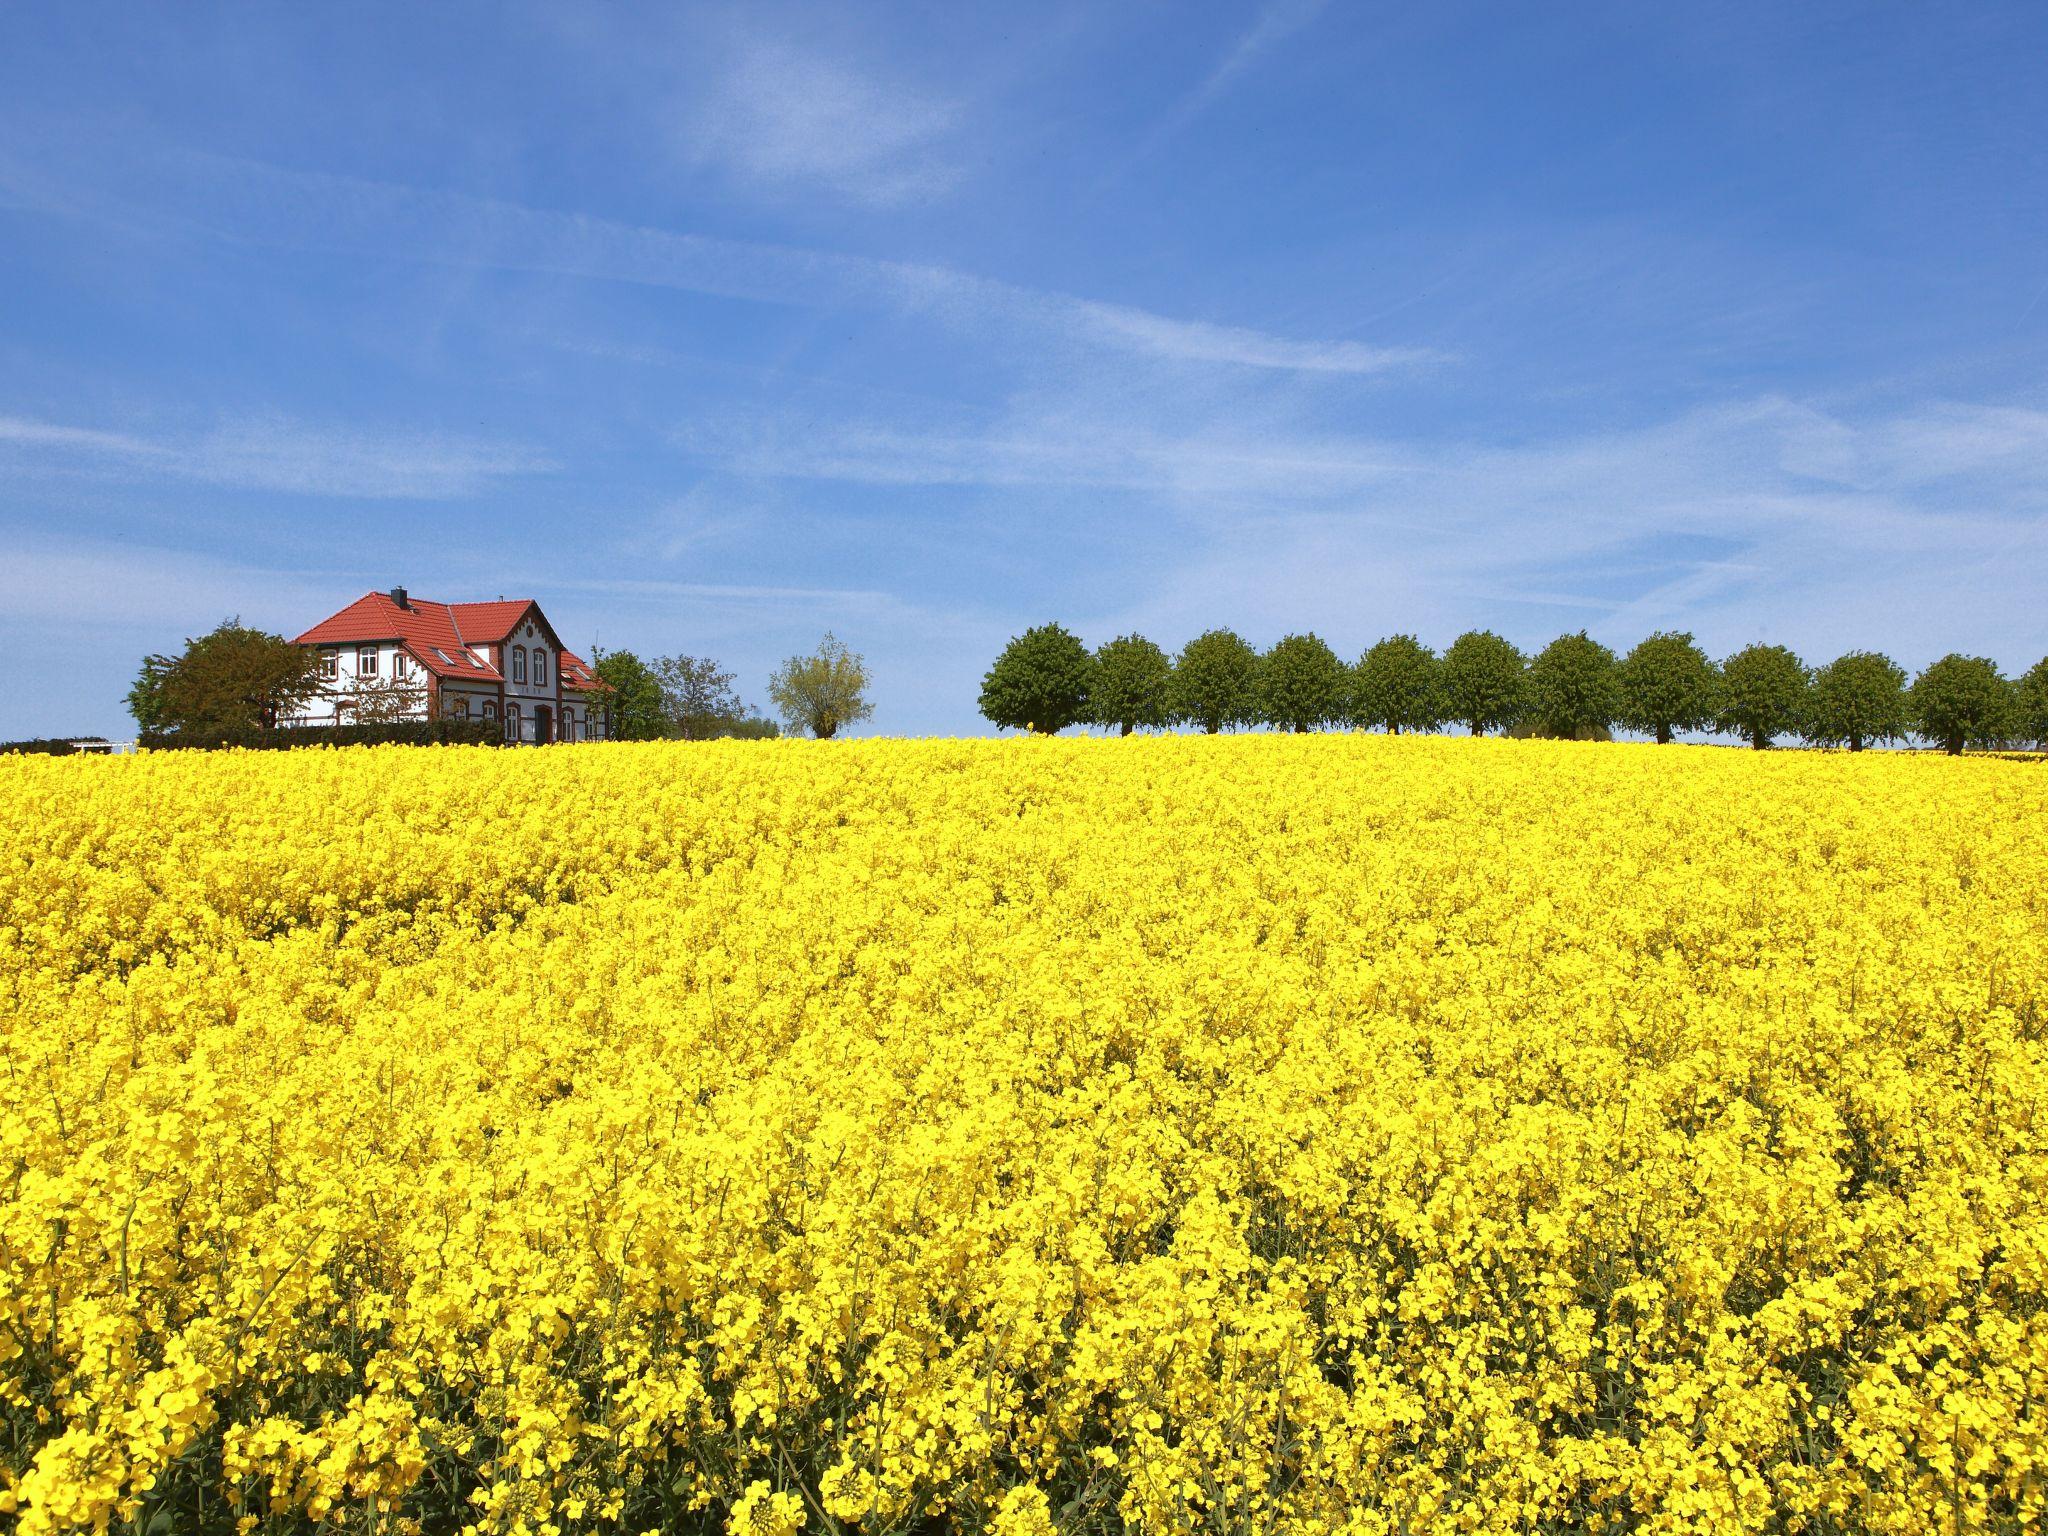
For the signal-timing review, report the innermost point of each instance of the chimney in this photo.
(398, 597)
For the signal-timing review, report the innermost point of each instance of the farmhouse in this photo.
(392, 656)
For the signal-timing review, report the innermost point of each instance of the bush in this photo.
(411, 733)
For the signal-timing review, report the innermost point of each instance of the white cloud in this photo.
(784, 118)
(274, 454)
(262, 205)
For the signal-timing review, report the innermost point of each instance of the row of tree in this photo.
(1575, 687)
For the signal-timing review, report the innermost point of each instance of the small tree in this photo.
(233, 679)
(1398, 686)
(1763, 693)
(1485, 681)
(1962, 701)
(1574, 689)
(1128, 687)
(1214, 683)
(628, 696)
(697, 697)
(1040, 683)
(1302, 685)
(1668, 684)
(2032, 723)
(1856, 699)
(823, 691)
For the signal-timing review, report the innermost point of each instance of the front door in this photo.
(543, 724)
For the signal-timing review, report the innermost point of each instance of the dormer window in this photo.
(518, 663)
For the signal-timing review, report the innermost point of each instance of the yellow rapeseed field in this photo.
(1331, 1134)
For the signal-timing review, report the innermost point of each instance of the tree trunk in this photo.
(1855, 742)
(1663, 735)
(1212, 727)
(1953, 746)
(1759, 740)
(1126, 729)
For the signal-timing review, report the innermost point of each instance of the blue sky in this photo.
(718, 328)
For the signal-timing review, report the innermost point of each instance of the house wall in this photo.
(321, 710)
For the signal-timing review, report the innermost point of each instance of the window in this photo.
(366, 661)
(568, 725)
(490, 709)
(330, 664)
(450, 660)
(512, 722)
(518, 663)
(540, 667)
(401, 665)
(461, 708)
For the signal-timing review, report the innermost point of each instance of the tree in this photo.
(1214, 682)
(2032, 724)
(380, 700)
(1574, 688)
(1302, 684)
(628, 696)
(234, 678)
(1668, 684)
(696, 697)
(1128, 688)
(824, 691)
(1763, 693)
(1856, 699)
(1485, 682)
(1040, 682)
(1962, 701)
(1398, 686)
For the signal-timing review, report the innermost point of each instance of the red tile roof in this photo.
(438, 635)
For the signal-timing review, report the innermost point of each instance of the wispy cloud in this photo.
(273, 454)
(1277, 21)
(782, 118)
(258, 204)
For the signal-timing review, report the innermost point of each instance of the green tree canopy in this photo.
(232, 679)
(1302, 685)
(1128, 688)
(628, 696)
(1398, 686)
(1962, 701)
(1574, 689)
(1668, 684)
(2032, 725)
(824, 691)
(697, 697)
(1856, 699)
(1763, 693)
(1040, 682)
(1214, 682)
(1485, 682)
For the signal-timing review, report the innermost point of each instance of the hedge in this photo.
(415, 733)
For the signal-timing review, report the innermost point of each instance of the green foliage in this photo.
(1668, 684)
(48, 746)
(413, 733)
(1856, 699)
(1398, 686)
(1214, 683)
(1128, 689)
(1485, 682)
(1962, 701)
(232, 679)
(2031, 724)
(1040, 682)
(628, 696)
(1574, 688)
(824, 691)
(1302, 685)
(1763, 694)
